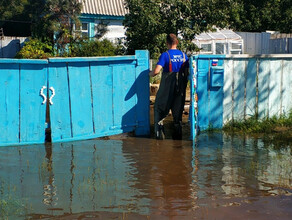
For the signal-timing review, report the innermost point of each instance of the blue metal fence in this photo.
(88, 98)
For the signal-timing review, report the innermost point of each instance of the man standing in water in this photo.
(172, 89)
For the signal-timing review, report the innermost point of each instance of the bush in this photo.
(88, 48)
(35, 49)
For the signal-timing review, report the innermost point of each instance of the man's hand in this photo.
(155, 71)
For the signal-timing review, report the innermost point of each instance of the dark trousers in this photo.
(170, 96)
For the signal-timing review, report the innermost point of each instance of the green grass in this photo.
(254, 125)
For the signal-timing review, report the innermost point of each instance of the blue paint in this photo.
(217, 76)
(202, 91)
(9, 103)
(210, 81)
(140, 88)
(111, 96)
(193, 104)
(22, 117)
(253, 86)
(94, 97)
(102, 75)
(23, 61)
(107, 60)
(251, 81)
(123, 114)
(92, 17)
(80, 99)
(60, 114)
(32, 113)
(216, 97)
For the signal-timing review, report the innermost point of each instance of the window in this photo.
(82, 29)
(236, 48)
(220, 48)
(206, 48)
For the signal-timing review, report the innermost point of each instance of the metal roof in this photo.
(104, 7)
(224, 34)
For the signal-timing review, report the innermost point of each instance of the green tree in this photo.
(11, 8)
(261, 15)
(56, 21)
(12, 18)
(44, 17)
(149, 21)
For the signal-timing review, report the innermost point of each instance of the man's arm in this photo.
(155, 71)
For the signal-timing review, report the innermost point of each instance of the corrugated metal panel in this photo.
(104, 7)
(218, 35)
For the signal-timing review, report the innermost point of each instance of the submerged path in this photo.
(217, 177)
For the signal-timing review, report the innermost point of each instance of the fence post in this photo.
(143, 93)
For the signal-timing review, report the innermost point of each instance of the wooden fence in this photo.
(86, 97)
(251, 85)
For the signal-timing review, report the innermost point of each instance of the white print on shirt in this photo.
(177, 58)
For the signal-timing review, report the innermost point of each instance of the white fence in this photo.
(257, 85)
(266, 43)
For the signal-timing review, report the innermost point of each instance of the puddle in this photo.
(219, 177)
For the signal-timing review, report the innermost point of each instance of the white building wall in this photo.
(116, 30)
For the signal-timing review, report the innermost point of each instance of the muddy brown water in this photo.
(219, 176)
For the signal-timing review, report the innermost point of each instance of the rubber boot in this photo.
(177, 131)
(159, 131)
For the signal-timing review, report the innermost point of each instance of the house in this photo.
(97, 16)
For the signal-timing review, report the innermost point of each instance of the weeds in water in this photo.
(254, 125)
(9, 207)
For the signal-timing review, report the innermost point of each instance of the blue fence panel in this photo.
(60, 107)
(239, 89)
(9, 103)
(80, 99)
(210, 81)
(202, 92)
(216, 95)
(241, 86)
(87, 97)
(33, 77)
(193, 116)
(23, 113)
(286, 87)
(141, 89)
(100, 96)
(263, 88)
(275, 87)
(124, 117)
(251, 92)
(102, 74)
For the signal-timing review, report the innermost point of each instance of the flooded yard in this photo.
(218, 177)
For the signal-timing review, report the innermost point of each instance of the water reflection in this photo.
(144, 177)
(163, 173)
(236, 166)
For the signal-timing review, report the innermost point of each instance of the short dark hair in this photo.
(171, 39)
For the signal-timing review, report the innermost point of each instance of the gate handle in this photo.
(52, 96)
(43, 95)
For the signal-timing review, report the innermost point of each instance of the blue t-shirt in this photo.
(176, 57)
